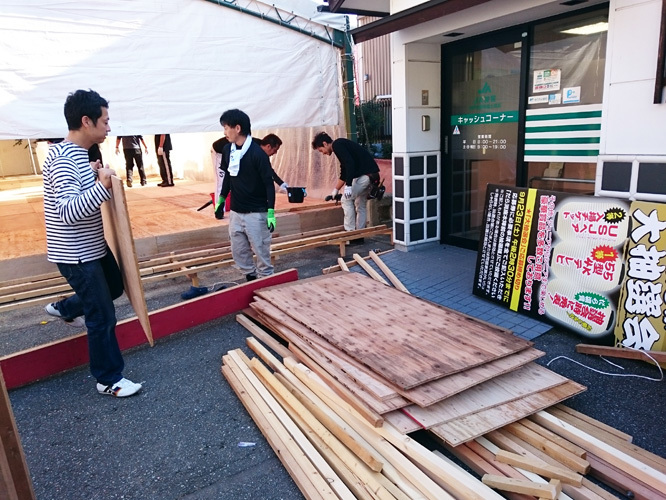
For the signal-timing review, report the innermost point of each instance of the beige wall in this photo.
(15, 158)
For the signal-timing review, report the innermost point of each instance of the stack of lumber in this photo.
(332, 450)
(410, 362)
(329, 449)
(328, 415)
(46, 288)
(560, 449)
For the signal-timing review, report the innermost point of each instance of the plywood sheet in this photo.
(118, 233)
(406, 340)
(511, 386)
(472, 426)
(440, 389)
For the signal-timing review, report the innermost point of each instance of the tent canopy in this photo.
(164, 66)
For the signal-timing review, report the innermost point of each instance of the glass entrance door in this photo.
(481, 95)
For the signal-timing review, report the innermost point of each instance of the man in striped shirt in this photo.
(74, 190)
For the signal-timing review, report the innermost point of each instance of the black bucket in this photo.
(296, 194)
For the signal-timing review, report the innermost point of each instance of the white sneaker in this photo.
(52, 309)
(120, 389)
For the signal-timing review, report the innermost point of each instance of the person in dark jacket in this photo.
(358, 170)
(271, 145)
(249, 177)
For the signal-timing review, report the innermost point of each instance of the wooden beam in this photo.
(550, 448)
(549, 490)
(622, 352)
(589, 490)
(15, 482)
(307, 397)
(265, 337)
(549, 471)
(368, 269)
(596, 423)
(387, 271)
(650, 476)
(300, 468)
(343, 397)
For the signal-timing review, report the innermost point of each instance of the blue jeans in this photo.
(96, 285)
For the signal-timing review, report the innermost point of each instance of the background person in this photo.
(163, 151)
(249, 178)
(75, 237)
(357, 170)
(271, 145)
(132, 152)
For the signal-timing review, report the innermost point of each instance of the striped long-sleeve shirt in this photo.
(72, 201)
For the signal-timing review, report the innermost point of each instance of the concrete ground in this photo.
(179, 438)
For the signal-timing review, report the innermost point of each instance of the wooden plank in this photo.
(622, 482)
(351, 263)
(387, 271)
(551, 436)
(475, 425)
(333, 435)
(283, 351)
(452, 479)
(630, 449)
(485, 465)
(15, 482)
(523, 486)
(342, 264)
(309, 398)
(623, 352)
(186, 262)
(586, 418)
(648, 475)
(420, 329)
(368, 269)
(321, 364)
(535, 478)
(118, 233)
(43, 361)
(343, 397)
(507, 441)
(529, 379)
(560, 454)
(547, 470)
(300, 468)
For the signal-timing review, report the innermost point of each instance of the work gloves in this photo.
(348, 192)
(219, 207)
(283, 187)
(270, 220)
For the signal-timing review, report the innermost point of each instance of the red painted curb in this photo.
(34, 364)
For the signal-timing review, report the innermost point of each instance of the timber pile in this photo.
(46, 288)
(328, 417)
(410, 362)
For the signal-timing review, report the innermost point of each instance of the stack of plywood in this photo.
(333, 451)
(412, 363)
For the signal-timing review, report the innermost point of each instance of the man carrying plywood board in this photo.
(75, 237)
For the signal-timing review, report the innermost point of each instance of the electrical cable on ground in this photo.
(661, 372)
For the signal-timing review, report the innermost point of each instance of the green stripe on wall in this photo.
(565, 140)
(561, 152)
(564, 116)
(563, 128)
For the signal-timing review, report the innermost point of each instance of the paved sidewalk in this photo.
(445, 275)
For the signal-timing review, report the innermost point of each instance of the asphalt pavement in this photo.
(185, 435)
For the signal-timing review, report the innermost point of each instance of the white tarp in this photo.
(164, 65)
